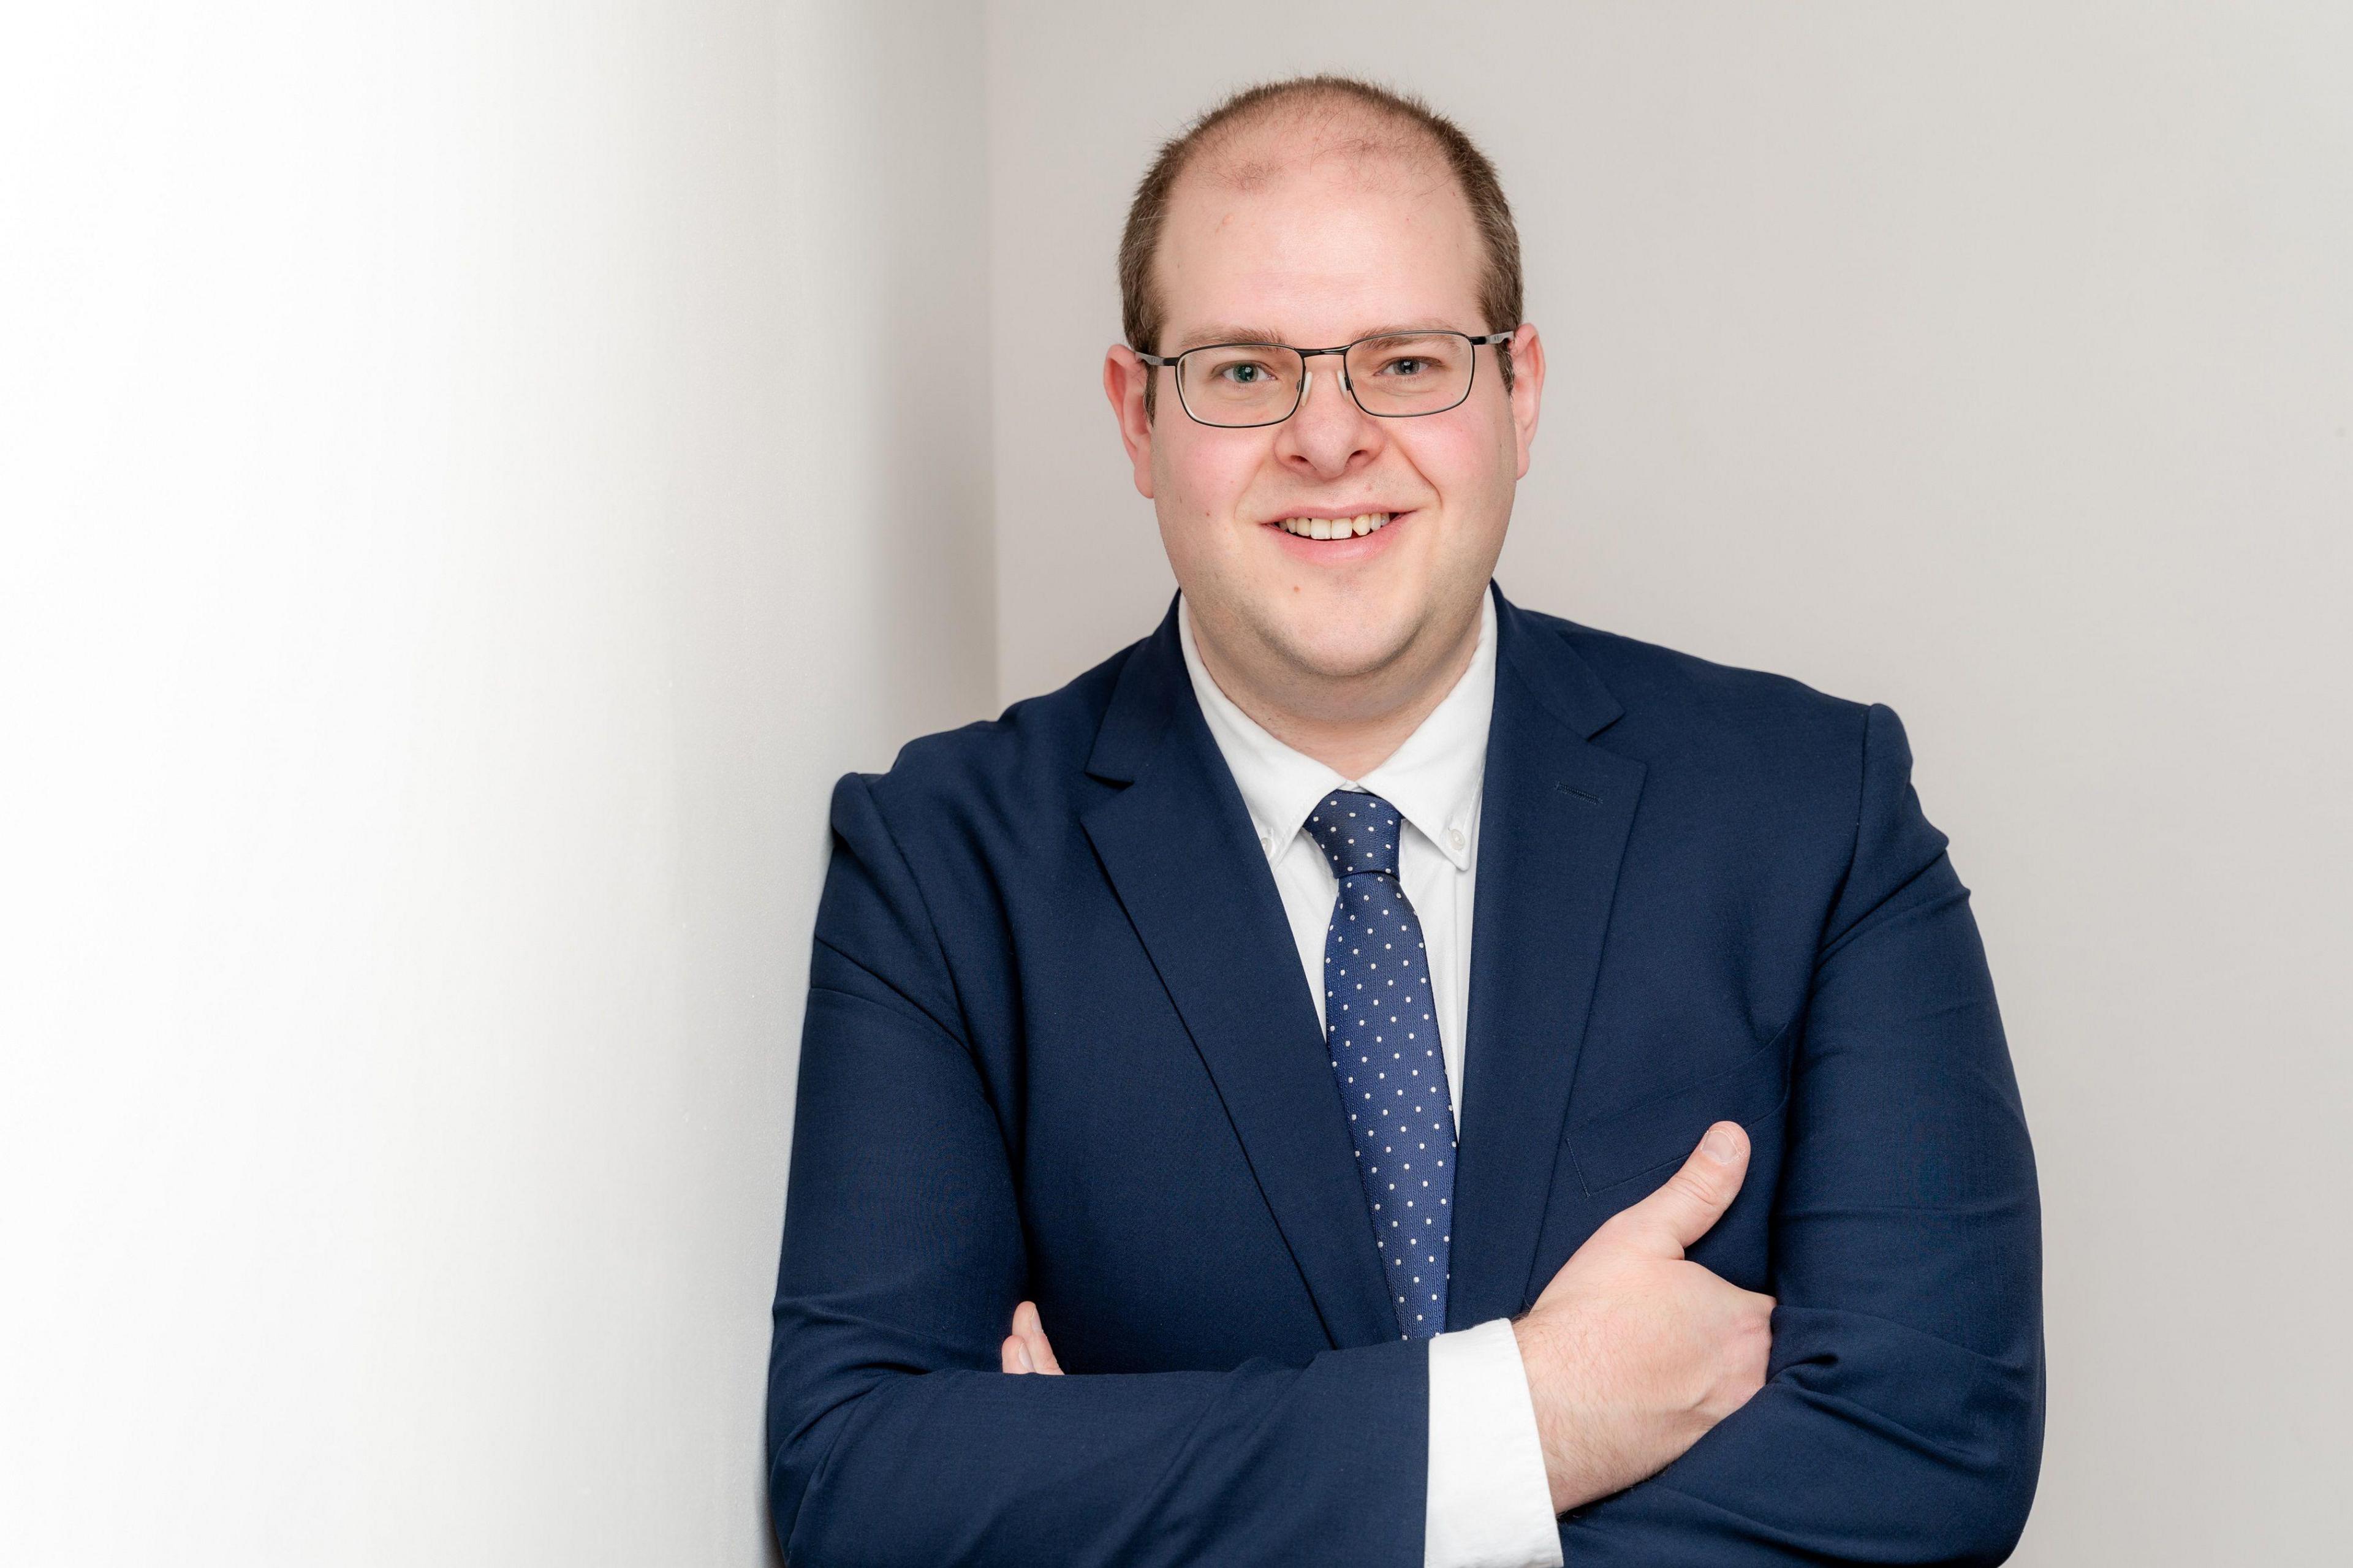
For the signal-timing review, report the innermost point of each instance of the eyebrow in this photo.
(1205, 336)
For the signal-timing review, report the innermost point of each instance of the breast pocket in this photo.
(1663, 1130)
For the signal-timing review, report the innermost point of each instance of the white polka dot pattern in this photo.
(1383, 1035)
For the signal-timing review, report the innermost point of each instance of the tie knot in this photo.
(1358, 832)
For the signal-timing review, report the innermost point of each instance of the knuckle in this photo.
(1692, 1187)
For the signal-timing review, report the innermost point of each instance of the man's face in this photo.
(1320, 252)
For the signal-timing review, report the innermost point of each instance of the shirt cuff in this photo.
(1489, 1503)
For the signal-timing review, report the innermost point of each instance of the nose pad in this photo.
(1307, 384)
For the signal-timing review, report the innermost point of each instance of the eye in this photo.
(1408, 365)
(1243, 373)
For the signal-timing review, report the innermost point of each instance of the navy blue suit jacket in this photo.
(1058, 1046)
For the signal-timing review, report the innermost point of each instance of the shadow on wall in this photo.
(888, 341)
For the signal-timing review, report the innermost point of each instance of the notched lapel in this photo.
(1178, 846)
(1554, 820)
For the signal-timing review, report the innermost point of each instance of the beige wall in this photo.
(1994, 360)
(436, 599)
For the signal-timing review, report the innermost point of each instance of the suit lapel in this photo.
(1554, 819)
(1178, 846)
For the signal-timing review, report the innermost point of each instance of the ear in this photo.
(1125, 379)
(1527, 388)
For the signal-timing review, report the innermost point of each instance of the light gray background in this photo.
(474, 474)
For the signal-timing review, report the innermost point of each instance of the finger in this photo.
(1694, 1197)
(1032, 1330)
(1015, 1355)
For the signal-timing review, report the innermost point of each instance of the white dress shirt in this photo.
(1489, 1505)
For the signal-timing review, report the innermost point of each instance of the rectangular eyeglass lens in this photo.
(1239, 382)
(1411, 371)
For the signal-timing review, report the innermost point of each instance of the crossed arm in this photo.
(1896, 1418)
(1632, 1352)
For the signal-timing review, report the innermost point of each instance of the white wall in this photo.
(456, 521)
(1994, 360)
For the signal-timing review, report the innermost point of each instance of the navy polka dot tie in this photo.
(1381, 1025)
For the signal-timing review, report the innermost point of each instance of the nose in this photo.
(1329, 435)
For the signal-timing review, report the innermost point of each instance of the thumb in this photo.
(1694, 1197)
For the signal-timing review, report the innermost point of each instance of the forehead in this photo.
(1317, 237)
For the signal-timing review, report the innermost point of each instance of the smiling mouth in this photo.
(1333, 527)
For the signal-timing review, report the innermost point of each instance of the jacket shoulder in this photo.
(1032, 756)
(1668, 691)
(1740, 740)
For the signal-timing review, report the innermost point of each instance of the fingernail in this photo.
(1721, 1146)
(1021, 1354)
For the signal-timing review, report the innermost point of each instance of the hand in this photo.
(1025, 1349)
(1632, 1352)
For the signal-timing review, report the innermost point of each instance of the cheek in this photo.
(1203, 477)
(1467, 465)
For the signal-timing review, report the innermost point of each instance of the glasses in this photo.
(1397, 375)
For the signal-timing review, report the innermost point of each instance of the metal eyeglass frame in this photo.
(1346, 383)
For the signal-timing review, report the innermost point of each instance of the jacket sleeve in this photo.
(892, 1437)
(1901, 1421)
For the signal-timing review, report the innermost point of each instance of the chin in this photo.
(1338, 650)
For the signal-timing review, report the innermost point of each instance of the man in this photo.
(1447, 1085)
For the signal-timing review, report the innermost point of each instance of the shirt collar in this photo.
(1432, 779)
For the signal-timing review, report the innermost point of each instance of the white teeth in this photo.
(1334, 527)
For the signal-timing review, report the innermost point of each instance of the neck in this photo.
(1350, 724)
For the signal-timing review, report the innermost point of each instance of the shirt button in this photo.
(1454, 836)
(1264, 842)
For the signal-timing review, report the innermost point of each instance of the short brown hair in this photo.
(1474, 174)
